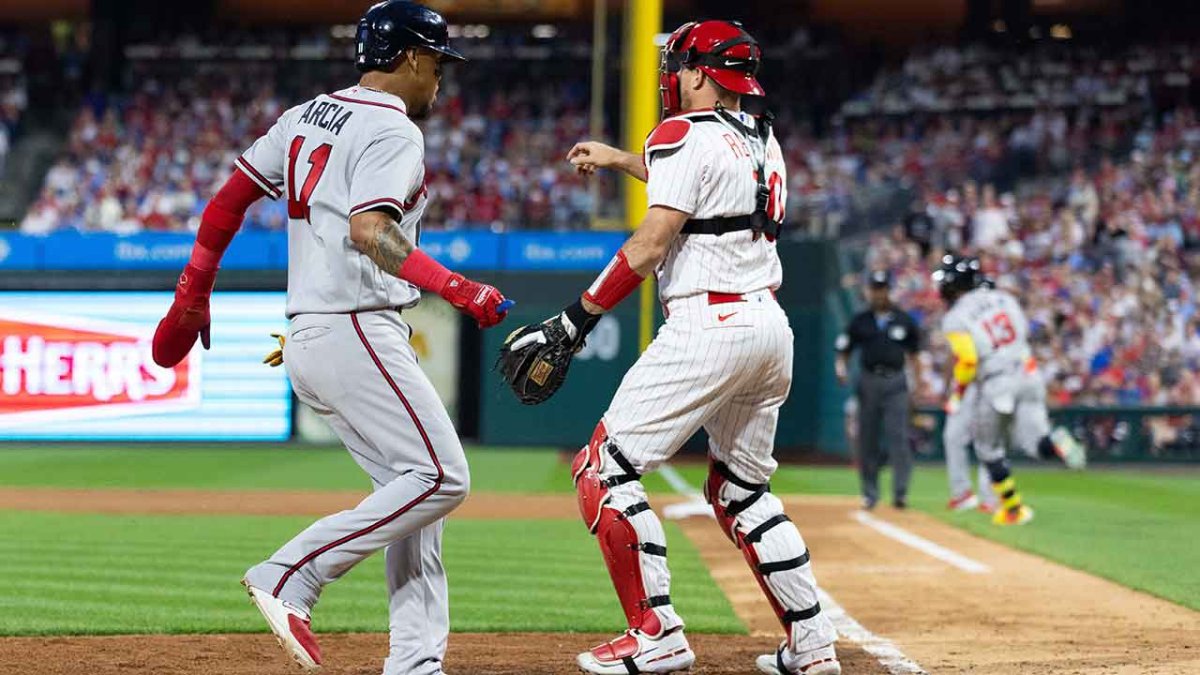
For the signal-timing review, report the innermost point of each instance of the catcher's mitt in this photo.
(534, 360)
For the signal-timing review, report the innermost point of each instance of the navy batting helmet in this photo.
(391, 26)
(957, 275)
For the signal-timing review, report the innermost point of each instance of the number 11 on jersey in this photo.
(298, 203)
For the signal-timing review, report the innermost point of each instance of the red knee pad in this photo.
(590, 489)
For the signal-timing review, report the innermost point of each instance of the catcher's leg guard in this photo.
(613, 505)
(754, 520)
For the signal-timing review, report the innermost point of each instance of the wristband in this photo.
(424, 271)
(582, 320)
(614, 284)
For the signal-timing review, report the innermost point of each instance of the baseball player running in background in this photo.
(989, 337)
(956, 443)
(723, 361)
(351, 166)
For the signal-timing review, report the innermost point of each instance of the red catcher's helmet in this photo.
(719, 49)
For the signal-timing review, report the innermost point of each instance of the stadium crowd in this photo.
(495, 152)
(1055, 73)
(14, 100)
(1105, 264)
(150, 160)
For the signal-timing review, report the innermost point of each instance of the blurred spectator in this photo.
(1105, 264)
(150, 159)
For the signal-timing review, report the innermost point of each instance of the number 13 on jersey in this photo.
(1000, 330)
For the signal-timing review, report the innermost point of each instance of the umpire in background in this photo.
(887, 338)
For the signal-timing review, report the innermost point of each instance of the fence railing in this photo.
(1111, 433)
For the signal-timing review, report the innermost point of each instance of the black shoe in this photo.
(868, 504)
(900, 504)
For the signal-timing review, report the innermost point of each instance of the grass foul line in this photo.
(922, 544)
(884, 650)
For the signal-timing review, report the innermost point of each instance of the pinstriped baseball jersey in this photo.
(333, 157)
(703, 165)
(997, 326)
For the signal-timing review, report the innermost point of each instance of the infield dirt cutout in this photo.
(1026, 616)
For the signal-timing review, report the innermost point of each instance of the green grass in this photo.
(100, 574)
(259, 467)
(1139, 527)
(1140, 530)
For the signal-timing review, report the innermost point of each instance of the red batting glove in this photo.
(187, 319)
(481, 302)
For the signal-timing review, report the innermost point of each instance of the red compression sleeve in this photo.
(424, 271)
(222, 218)
(614, 284)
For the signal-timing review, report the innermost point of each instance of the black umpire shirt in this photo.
(883, 338)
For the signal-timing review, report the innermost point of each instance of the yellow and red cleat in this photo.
(1018, 516)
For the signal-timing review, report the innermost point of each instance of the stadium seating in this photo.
(1105, 264)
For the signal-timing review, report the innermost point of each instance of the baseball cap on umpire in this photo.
(880, 279)
(391, 26)
(719, 49)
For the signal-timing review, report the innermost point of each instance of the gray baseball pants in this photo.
(359, 372)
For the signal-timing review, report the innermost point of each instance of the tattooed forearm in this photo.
(380, 239)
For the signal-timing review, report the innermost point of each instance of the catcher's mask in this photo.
(719, 49)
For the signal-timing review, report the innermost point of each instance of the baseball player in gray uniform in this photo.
(956, 443)
(351, 166)
(989, 336)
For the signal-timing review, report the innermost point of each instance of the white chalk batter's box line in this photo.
(929, 548)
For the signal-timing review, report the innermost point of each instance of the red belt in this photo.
(715, 298)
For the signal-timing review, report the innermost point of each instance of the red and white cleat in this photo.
(819, 661)
(292, 627)
(963, 502)
(986, 507)
(636, 652)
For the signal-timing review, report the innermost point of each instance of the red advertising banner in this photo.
(61, 367)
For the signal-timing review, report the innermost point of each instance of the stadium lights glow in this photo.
(544, 31)
(470, 31)
(999, 26)
(1060, 31)
(343, 31)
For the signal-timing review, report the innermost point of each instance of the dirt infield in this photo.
(470, 654)
(1024, 615)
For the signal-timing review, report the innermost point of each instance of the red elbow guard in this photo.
(614, 284)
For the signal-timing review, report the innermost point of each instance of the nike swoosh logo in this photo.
(722, 317)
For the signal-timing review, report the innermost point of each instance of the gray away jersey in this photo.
(997, 325)
(335, 156)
